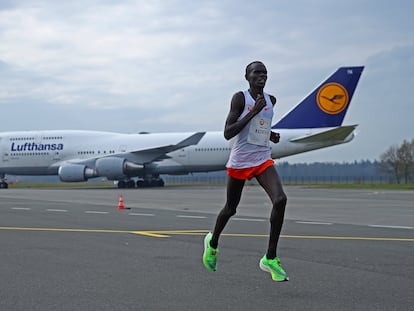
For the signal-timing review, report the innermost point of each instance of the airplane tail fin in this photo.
(326, 106)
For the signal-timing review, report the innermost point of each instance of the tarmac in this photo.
(73, 249)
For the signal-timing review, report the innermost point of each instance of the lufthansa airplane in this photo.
(315, 123)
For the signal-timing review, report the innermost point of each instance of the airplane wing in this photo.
(336, 134)
(142, 156)
(158, 153)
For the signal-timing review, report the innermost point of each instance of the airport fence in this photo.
(291, 180)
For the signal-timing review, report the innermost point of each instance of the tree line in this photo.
(364, 171)
(398, 161)
(395, 165)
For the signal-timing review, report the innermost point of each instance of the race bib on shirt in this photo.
(259, 131)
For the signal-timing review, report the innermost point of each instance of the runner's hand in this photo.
(259, 104)
(274, 137)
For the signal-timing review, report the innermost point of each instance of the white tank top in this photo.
(251, 147)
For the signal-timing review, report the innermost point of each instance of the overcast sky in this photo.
(162, 66)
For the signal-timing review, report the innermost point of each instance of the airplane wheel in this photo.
(150, 183)
(159, 183)
(4, 185)
(130, 184)
(143, 183)
(121, 184)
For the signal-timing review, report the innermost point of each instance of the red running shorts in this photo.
(249, 172)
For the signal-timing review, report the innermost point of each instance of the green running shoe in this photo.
(210, 254)
(275, 268)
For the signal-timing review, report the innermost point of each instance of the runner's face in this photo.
(257, 75)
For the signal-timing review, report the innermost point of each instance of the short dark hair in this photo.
(252, 63)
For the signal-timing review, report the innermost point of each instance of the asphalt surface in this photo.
(72, 249)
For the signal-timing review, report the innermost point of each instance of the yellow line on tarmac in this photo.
(146, 233)
(180, 232)
(167, 233)
(203, 232)
(64, 230)
(346, 238)
(150, 233)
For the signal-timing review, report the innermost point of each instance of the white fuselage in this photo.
(43, 152)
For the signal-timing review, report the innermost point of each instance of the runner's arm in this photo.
(233, 126)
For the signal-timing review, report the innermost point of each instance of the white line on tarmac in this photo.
(57, 210)
(141, 214)
(21, 208)
(248, 219)
(189, 216)
(314, 223)
(95, 212)
(391, 227)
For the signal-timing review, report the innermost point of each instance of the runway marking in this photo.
(141, 214)
(203, 232)
(57, 210)
(146, 233)
(167, 233)
(391, 227)
(21, 208)
(314, 223)
(181, 232)
(95, 212)
(355, 238)
(64, 230)
(150, 233)
(190, 216)
(248, 219)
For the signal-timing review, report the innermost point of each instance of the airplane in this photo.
(75, 155)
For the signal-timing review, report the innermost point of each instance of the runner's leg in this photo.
(270, 181)
(234, 191)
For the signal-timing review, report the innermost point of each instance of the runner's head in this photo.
(256, 74)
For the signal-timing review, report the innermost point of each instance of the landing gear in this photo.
(141, 183)
(3, 183)
(126, 184)
(154, 182)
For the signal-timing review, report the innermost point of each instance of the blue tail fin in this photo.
(326, 106)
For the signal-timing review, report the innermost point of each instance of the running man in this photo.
(248, 124)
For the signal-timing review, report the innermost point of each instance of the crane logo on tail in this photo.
(332, 98)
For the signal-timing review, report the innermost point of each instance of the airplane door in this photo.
(123, 148)
(4, 153)
(37, 160)
(56, 156)
(182, 156)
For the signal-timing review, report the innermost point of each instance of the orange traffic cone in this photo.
(121, 202)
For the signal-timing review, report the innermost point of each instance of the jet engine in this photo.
(75, 172)
(112, 168)
(116, 168)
